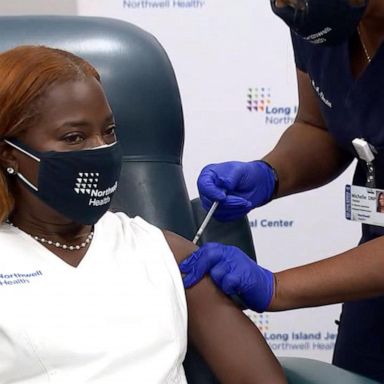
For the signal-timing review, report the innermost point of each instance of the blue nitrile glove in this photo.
(238, 186)
(233, 272)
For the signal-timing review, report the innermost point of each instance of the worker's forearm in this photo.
(353, 275)
(306, 157)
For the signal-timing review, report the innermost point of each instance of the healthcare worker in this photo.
(340, 72)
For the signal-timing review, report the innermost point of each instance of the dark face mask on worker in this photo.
(77, 184)
(322, 22)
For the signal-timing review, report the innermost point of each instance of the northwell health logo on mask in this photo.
(87, 184)
(78, 184)
(259, 100)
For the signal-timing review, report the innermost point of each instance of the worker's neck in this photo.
(373, 19)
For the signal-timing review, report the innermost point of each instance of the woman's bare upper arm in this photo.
(180, 247)
(230, 343)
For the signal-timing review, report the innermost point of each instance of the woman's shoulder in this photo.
(121, 218)
(137, 227)
(180, 246)
(120, 221)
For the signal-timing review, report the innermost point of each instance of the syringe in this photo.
(205, 222)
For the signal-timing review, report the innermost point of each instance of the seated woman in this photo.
(90, 296)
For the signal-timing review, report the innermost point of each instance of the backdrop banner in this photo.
(234, 64)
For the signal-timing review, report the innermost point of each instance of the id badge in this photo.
(364, 204)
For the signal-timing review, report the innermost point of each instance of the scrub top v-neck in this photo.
(51, 258)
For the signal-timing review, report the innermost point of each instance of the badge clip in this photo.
(365, 151)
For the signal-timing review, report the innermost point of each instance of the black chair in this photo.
(141, 86)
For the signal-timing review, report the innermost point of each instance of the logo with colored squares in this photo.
(261, 320)
(258, 99)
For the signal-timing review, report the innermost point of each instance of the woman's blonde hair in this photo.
(26, 73)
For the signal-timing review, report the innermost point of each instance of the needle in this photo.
(205, 222)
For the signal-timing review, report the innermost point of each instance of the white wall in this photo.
(38, 7)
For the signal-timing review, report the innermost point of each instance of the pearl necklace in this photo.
(56, 243)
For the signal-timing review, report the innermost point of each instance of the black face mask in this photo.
(77, 184)
(323, 22)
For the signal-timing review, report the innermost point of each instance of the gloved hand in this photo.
(233, 272)
(238, 186)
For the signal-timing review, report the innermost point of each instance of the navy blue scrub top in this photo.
(351, 107)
